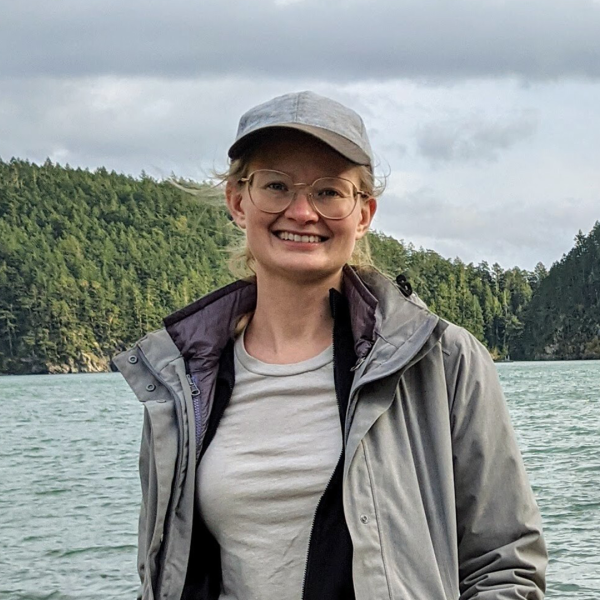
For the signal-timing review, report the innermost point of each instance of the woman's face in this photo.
(305, 159)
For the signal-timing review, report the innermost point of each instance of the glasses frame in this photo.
(309, 195)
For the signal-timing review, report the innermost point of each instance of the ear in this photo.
(233, 198)
(367, 212)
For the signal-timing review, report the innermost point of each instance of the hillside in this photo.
(562, 321)
(89, 261)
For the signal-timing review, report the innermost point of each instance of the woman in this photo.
(316, 432)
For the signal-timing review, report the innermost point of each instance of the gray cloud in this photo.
(475, 139)
(339, 40)
(514, 232)
(127, 125)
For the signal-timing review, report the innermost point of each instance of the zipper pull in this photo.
(193, 386)
(359, 362)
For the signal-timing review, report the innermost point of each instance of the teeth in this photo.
(293, 237)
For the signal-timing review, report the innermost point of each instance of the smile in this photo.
(294, 237)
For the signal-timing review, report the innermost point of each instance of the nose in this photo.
(301, 209)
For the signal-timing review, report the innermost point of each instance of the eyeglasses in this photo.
(273, 191)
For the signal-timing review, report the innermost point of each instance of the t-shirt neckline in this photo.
(254, 365)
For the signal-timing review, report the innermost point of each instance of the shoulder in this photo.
(471, 375)
(458, 343)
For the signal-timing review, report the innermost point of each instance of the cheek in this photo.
(257, 229)
(347, 230)
(252, 215)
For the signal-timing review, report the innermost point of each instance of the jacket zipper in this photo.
(359, 362)
(312, 527)
(196, 406)
(193, 386)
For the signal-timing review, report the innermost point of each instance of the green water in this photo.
(69, 491)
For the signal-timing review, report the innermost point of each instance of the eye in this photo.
(332, 189)
(276, 186)
(271, 182)
(329, 193)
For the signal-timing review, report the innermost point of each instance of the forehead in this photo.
(299, 154)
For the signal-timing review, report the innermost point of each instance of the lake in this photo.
(69, 490)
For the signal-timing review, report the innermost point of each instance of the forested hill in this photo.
(562, 321)
(91, 261)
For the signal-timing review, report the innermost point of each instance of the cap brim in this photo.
(339, 143)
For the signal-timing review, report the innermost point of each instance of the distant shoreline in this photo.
(498, 362)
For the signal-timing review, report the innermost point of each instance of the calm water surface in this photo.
(69, 491)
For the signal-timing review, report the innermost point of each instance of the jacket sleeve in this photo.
(502, 554)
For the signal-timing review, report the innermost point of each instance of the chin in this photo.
(301, 272)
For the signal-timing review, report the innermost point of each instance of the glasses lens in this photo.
(334, 197)
(271, 191)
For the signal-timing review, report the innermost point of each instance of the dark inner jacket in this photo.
(329, 561)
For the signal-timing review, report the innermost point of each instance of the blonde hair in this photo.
(241, 261)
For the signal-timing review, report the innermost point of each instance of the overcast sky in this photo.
(485, 113)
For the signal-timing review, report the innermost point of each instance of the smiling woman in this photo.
(313, 430)
(265, 149)
(268, 204)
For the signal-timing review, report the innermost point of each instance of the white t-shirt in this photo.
(263, 474)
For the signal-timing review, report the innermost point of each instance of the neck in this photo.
(292, 321)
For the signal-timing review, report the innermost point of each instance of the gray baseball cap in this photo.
(329, 121)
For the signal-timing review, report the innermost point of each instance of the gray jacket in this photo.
(436, 497)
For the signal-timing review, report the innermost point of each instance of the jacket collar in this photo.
(381, 317)
(202, 329)
(404, 329)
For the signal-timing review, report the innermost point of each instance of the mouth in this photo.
(290, 236)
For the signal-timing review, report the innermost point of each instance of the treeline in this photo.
(91, 261)
(488, 301)
(562, 321)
